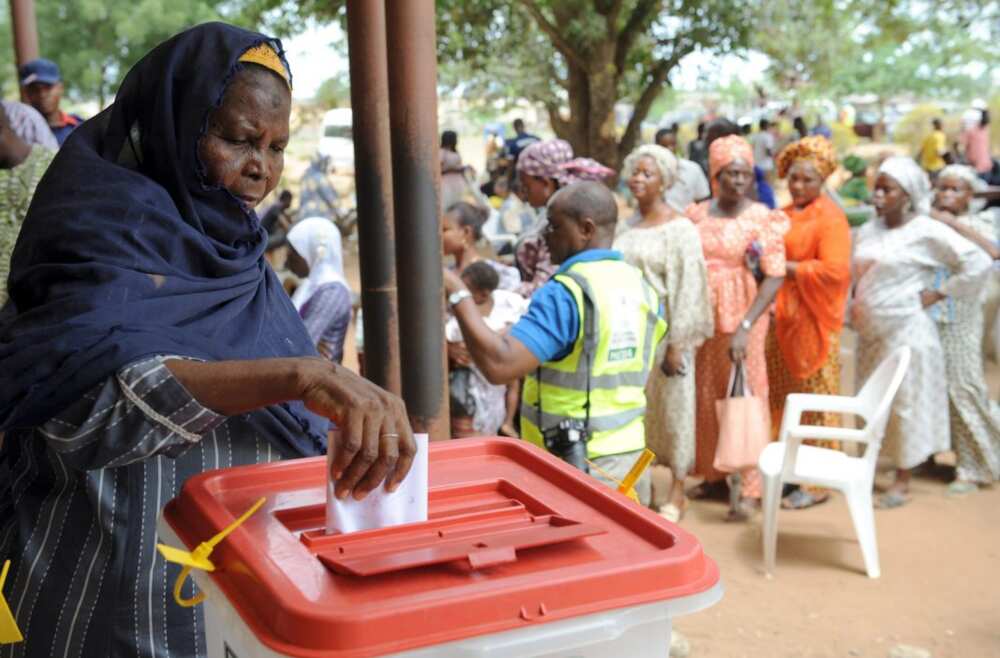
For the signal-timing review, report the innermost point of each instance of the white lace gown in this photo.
(671, 259)
(890, 267)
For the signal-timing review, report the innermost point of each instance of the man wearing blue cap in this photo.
(43, 87)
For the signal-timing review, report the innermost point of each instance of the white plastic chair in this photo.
(788, 461)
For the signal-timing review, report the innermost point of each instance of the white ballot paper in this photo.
(380, 509)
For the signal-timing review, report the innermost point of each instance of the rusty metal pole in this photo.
(373, 182)
(416, 179)
(22, 15)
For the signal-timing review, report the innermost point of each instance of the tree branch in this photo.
(642, 106)
(635, 26)
(552, 31)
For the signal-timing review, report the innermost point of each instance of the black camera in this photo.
(568, 441)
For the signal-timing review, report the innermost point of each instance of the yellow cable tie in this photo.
(626, 485)
(198, 558)
(9, 632)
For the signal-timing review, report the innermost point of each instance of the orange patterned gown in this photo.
(725, 241)
(804, 346)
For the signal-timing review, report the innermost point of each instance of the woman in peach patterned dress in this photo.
(735, 232)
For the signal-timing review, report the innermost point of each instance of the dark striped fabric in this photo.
(79, 501)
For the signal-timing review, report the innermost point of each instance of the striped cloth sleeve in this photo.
(140, 412)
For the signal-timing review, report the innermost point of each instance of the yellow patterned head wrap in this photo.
(816, 149)
(264, 55)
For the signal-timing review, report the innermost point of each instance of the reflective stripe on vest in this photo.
(622, 307)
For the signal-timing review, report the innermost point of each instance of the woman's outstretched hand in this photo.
(374, 442)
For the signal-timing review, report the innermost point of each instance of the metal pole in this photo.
(22, 14)
(416, 177)
(373, 181)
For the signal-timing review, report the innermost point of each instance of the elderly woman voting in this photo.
(147, 340)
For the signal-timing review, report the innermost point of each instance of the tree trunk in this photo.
(592, 95)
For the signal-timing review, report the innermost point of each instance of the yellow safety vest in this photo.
(619, 310)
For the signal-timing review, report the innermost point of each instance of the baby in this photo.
(479, 408)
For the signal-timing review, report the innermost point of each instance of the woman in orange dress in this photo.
(738, 235)
(803, 348)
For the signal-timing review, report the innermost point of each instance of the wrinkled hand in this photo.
(458, 354)
(738, 345)
(930, 297)
(452, 282)
(673, 362)
(375, 441)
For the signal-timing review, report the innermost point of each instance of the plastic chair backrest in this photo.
(877, 394)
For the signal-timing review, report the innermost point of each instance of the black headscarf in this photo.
(127, 253)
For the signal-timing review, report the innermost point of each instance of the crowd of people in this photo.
(742, 283)
(145, 338)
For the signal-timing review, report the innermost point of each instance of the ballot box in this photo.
(521, 555)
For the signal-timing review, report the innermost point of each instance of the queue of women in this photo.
(772, 290)
(146, 339)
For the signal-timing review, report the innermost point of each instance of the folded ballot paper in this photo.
(380, 509)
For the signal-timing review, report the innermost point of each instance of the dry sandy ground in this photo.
(939, 590)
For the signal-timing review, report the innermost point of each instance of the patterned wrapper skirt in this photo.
(974, 418)
(825, 381)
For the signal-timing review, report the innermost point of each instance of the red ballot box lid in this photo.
(514, 538)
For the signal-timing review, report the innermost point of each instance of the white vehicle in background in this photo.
(337, 140)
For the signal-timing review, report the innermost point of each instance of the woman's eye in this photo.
(277, 148)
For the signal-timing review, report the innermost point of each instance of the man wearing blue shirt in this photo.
(521, 140)
(586, 345)
(42, 83)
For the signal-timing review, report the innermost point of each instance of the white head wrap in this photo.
(664, 159)
(969, 175)
(908, 174)
(317, 240)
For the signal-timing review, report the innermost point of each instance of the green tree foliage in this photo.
(95, 42)
(578, 58)
(881, 47)
(334, 92)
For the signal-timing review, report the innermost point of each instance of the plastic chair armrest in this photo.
(802, 402)
(800, 432)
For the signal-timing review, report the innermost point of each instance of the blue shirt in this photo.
(68, 125)
(551, 326)
(514, 145)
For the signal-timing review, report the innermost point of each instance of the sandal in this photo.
(742, 511)
(962, 488)
(802, 499)
(891, 500)
(672, 512)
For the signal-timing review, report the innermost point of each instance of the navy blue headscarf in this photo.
(127, 253)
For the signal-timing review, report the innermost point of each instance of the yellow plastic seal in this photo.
(198, 558)
(627, 485)
(9, 632)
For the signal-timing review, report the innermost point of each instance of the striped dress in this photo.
(79, 502)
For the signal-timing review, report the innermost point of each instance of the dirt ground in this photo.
(939, 590)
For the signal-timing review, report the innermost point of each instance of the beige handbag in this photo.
(743, 425)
